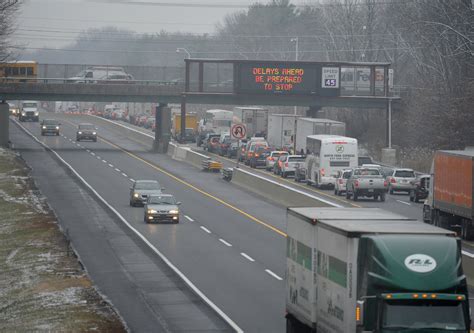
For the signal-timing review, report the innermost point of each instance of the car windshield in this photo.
(346, 175)
(404, 174)
(151, 185)
(50, 122)
(416, 314)
(162, 200)
(30, 105)
(86, 127)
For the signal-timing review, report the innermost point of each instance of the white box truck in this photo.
(315, 126)
(281, 128)
(254, 118)
(369, 270)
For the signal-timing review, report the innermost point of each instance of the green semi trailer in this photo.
(368, 270)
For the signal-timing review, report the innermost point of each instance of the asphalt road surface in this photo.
(229, 243)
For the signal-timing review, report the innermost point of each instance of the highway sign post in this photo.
(238, 131)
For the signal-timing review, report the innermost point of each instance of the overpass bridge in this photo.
(231, 82)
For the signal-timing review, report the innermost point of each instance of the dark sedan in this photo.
(86, 132)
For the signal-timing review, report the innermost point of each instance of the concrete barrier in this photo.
(279, 193)
(171, 149)
(195, 158)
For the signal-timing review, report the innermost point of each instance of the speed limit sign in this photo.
(238, 131)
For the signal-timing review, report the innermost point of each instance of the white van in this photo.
(328, 154)
(98, 73)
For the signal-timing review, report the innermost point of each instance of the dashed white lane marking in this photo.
(188, 218)
(125, 175)
(111, 165)
(224, 242)
(87, 150)
(118, 170)
(206, 230)
(273, 274)
(403, 202)
(246, 256)
(98, 157)
(469, 254)
(132, 180)
(104, 161)
(92, 153)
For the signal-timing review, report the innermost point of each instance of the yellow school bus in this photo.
(18, 71)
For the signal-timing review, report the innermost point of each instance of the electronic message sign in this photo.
(278, 78)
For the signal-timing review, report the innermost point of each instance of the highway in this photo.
(229, 243)
(234, 260)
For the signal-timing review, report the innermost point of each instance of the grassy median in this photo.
(42, 285)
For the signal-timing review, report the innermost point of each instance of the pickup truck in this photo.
(367, 182)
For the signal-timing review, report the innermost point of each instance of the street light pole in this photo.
(182, 49)
(295, 110)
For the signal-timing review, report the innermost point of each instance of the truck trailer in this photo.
(191, 126)
(281, 128)
(369, 270)
(254, 118)
(316, 126)
(449, 203)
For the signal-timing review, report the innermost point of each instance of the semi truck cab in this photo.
(411, 283)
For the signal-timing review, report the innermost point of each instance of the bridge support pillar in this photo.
(4, 124)
(312, 112)
(162, 128)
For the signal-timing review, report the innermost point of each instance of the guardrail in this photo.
(76, 81)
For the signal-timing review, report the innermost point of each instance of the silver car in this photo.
(272, 158)
(401, 180)
(341, 181)
(142, 189)
(161, 208)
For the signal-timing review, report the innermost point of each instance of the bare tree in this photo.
(8, 9)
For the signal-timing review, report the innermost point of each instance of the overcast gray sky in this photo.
(55, 23)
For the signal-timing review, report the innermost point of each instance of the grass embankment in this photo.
(42, 285)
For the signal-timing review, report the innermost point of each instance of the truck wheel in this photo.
(354, 192)
(336, 192)
(412, 196)
(382, 197)
(376, 197)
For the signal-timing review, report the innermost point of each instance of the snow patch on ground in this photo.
(61, 297)
(30, 199)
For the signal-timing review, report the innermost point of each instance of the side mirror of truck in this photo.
(360, 313)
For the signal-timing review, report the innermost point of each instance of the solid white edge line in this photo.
(273, 274)
(187, 217)
(405, 203)
(224, 242)
(246, 256)
(467, 254)
(162, 256)
(205, 229)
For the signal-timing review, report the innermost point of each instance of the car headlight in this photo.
(79, 132)
(44, 127)
(36, 113)
(57, 127)
(174, 211)
(94, 133)
(151, 211)
(23, 114)
(135, 195)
